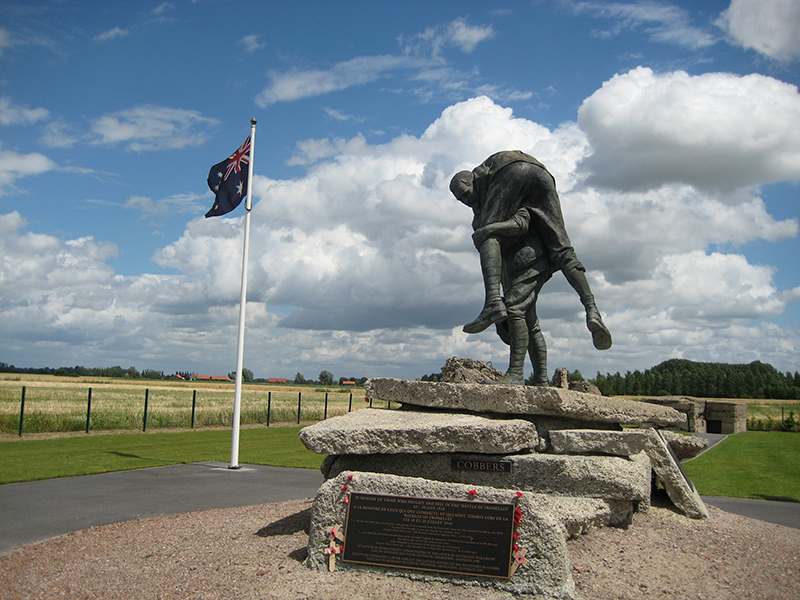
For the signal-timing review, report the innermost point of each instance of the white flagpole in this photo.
(237, 401)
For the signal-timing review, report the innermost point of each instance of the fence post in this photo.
(146, 402)
(269, 405)
(299, 398)
(325, 415)
(350, 408)
(89, 410)
(194, 405)
(22, 411)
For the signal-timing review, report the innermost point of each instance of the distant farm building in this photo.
(276, 380)
(348, 383)
(197, 377)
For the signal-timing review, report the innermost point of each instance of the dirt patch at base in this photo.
(255, 552)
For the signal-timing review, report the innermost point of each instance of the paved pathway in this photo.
(38, 510)
(771, 511)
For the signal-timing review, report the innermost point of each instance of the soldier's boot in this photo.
(494, 309)
(601, 336)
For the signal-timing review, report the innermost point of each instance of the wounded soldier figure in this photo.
(520, 234)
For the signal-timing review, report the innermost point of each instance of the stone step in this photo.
(627, 480)
(523, 400)
(380, 431)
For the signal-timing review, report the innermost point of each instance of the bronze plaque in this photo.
(466, 537)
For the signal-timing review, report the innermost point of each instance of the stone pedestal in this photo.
(563, 454)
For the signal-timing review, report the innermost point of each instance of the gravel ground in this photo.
(255, 552)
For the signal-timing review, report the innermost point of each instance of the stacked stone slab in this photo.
(566, 450)
(523, 401)
(629, 443)
(424, 444)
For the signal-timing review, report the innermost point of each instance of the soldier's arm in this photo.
(515, 226)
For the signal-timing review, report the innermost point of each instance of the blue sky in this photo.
(672, 128)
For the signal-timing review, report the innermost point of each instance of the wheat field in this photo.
(58, 404)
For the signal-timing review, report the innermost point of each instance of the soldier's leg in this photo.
(518, 340)
(494, 310)
(576, 276)
(537, 349)
(548, 220)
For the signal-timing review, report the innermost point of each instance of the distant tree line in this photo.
(6, 368)
(78, 371)
(325, 377)
(678, 377)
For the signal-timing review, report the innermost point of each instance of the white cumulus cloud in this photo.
(363, 263)
(714, 131)
(371, 239)
(767, 26)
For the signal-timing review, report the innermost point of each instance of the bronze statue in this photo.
(520, 234)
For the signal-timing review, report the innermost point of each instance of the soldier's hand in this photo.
(479, 236)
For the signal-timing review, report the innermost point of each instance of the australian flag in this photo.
(228, 180)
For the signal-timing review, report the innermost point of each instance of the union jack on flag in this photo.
(228, 181)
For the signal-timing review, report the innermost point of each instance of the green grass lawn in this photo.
(28, 460)
(754, 464)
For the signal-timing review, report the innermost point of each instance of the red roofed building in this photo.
(197, 377)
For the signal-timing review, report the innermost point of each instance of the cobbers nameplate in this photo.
(465, 537)
(484, 466)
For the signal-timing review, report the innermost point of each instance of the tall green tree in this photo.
(247, 375)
